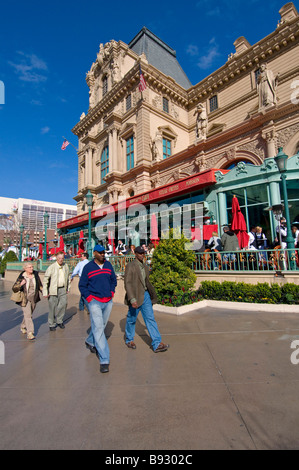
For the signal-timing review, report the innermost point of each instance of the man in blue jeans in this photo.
(97, 285)
(140, 297)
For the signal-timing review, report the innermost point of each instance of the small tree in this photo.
(172, 273)
(9, 256)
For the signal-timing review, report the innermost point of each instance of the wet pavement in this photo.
(227, 382)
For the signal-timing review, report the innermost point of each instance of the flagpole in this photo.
(70, 143)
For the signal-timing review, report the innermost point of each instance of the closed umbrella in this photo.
(154, 231)
(61, 244)
(111, 241)
(81, 244)
(238, 224)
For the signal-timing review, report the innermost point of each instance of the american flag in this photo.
(64, 145)
(142, 83)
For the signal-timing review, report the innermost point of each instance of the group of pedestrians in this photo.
(97, 286)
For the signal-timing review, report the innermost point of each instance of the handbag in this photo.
(17, 296)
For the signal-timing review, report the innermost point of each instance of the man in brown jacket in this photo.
(140, 296)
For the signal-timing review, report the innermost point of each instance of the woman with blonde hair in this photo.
(29, 285)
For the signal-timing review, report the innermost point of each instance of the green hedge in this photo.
(236, 292)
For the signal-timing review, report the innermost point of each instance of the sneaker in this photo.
(161, 348)
(23, 331)
(30, 336)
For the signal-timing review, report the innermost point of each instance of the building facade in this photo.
(30, 213)
(174, 142)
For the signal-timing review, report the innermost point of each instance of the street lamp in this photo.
(27, 244)
(21, 241)
(46, 220)
(89, 198)
(281, 162)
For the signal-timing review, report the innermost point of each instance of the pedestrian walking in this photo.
(97, 285)
(77, 272)
(140, 297)
(27, 290)
(56, 286)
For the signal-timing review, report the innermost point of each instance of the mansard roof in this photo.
(160, 55)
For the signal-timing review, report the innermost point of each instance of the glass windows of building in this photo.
(130, 153)
(293, 197)
(213, 103)
(166, 148)
(128, 102)
(104, 163)
(253, 201)
(165, 105)
(105, 85)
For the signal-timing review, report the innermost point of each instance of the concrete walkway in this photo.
(227, 382)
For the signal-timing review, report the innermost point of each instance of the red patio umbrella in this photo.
(40, 249)
(238, 224)
(154, 230)
(81, 244)
(61, 245)
(111, 241)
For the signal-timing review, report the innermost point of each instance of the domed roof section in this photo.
(160, 55)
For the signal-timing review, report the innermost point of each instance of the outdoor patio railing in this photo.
(241, 261)
(244, 260)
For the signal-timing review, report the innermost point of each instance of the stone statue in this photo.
(266, 86)
(154, 150)
(201, 121)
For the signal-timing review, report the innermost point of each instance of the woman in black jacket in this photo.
(29, 283)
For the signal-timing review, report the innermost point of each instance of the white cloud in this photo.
(207, 59)
(45, 130)
(192, 50)
(30, 68)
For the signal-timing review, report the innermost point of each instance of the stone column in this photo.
(88, 167)
(143, 152)
(270, 137)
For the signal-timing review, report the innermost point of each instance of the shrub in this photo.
(172, 273)
(8, 257)
(236, 292)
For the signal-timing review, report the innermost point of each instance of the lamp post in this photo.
(281, 162)
(21, 241)
(46, 220)
(89, 198)
(27, 245)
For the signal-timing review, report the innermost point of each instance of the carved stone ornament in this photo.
(241, 168)
(219, 176)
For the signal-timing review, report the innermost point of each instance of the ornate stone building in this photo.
(132, 143)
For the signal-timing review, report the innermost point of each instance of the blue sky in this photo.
(48, 47)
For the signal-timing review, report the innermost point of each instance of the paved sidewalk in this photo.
(227, 382)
